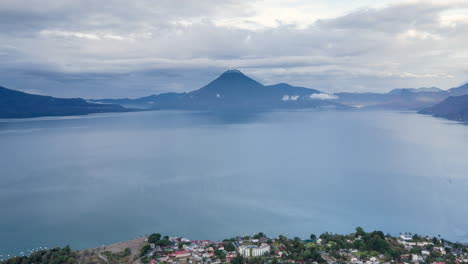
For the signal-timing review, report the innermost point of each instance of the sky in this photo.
(121, 48)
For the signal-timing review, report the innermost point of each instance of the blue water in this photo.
(88, 181)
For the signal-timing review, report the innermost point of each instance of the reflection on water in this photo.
(87, 181)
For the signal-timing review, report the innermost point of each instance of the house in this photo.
(163, 259)
(416, 258)
(181, 254)
(441, 250)
(406, 237)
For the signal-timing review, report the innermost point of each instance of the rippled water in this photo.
(99, 179)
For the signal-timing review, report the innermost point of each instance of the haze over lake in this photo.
(88, 181)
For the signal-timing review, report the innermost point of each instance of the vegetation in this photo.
(220, 254)
(153, 238)
(297, 249)
(144, 250)
(119, 257)
(229, 246)
(51, 256)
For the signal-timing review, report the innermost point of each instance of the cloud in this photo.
(290, 97)
(59, 33)
(420, 35)
(113, 47)
(323, 96)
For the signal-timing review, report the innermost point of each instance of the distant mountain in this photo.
(461, 90)
(453, 108)
(416, 90)
(407, 98)
(15, 104)
(146, 102)
(231, 90)
(234, 90)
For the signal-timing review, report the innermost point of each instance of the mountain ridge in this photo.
(283, 95)
(17, 104)
(453, 108)
(234, 90)
(401, 98)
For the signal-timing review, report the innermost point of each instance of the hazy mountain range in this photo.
(233, 90)
(401, 99)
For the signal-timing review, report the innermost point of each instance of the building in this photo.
(406, 237)
(253, 251)
(181, 254)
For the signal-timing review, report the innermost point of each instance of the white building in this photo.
(406, 237)
(253, 251)
(416, 258)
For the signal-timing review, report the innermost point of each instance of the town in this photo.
(359, 247)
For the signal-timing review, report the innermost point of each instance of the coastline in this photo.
(359, 247)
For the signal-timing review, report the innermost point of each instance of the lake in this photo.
(99, 179)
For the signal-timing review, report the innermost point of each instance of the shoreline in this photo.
(359, 247)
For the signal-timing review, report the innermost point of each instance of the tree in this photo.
(144, 250)
(163, 242)
(221, 254)
(416, 237)
(154, 237)
(259, 235)
(313, 237)
(376, 241)
(229, 246)
(238, 260)
(360, 231)
(282, 238)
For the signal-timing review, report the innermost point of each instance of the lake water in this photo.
(88, 181)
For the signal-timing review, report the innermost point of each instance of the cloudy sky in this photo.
(121, 48)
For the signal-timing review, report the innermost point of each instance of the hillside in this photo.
(452, 108)
(400, 99)
(15, 104)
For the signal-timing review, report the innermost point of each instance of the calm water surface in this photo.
(88, 181)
